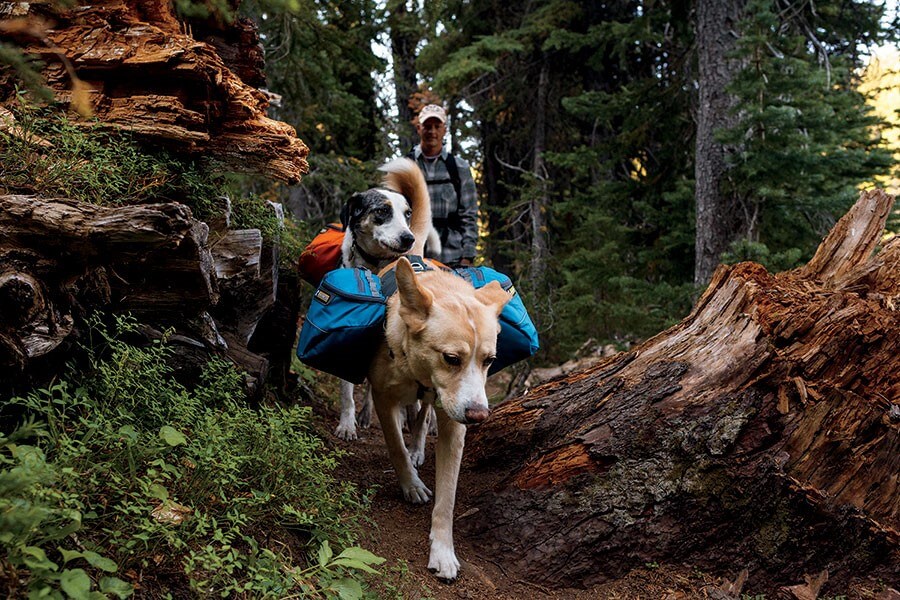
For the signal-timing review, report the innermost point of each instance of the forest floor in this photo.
(399, 533)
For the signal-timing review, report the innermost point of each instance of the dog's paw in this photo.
(417, 457)
(416, 492)
(346, 431)
(443, 563)
(364, 419)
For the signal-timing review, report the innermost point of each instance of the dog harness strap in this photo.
(389, 279)
(368, 283)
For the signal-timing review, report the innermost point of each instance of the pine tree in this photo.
(617, 148)
(805, 138)
(612, 131)
(625, 233)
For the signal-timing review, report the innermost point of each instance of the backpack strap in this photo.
(453, 172)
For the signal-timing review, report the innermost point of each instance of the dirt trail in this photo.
(401, 536)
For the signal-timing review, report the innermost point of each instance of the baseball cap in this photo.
(432, 111)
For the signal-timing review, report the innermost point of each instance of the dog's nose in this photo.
(477, 414)
(407, 240)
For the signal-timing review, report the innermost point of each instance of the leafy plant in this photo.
(190, 482)
(330, 572)
(37, 523)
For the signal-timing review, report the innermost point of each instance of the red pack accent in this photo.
(323, 254)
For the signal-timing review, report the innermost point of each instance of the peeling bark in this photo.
(763, 431)
(143, 72)
(190, 86)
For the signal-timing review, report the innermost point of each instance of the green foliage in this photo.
(90, 163)
(37, 518)
(775, 262)
(93, 164)
(222, 10)
(618, 164)
(806, 138)
(617, 136)
(249, 211)
(218, 9)
(476, 60)
(157, 476)
(330, 572)
(319, 60)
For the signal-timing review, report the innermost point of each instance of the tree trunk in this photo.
(406, 32)
(718, 219)
(538, 204)
(136, 67)
(762, 432)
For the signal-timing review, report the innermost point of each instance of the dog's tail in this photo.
(404, 177)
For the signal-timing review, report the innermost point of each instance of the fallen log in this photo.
(247, 270)
(189, 85)
(135, 66)
(761, 432)
(60, 259)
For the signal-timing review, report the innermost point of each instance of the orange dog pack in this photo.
(323, 254)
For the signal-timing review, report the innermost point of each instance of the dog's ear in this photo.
(415, 300)
(493, 295)
(352, 208)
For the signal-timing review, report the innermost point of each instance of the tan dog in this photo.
(441, 335)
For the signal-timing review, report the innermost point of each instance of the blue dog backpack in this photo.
(344, 324)
(518, 337)
(345, 321)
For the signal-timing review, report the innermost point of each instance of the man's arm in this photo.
(468, 210)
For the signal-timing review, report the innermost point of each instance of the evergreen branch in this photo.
(519, 169)
(821, 48)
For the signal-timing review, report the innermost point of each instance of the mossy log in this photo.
(137, 67)
(761, 432)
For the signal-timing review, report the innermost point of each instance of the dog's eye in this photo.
(452, 359)
(489, 360)
(408, 215)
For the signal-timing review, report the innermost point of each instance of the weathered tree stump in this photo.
(762, 432)
(190, 86)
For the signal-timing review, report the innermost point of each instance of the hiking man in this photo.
(454, 206)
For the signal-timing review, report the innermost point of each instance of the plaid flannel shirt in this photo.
(458, 238)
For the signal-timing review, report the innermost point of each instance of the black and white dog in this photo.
(382, 224)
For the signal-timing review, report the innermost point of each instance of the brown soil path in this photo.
(401, 536)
